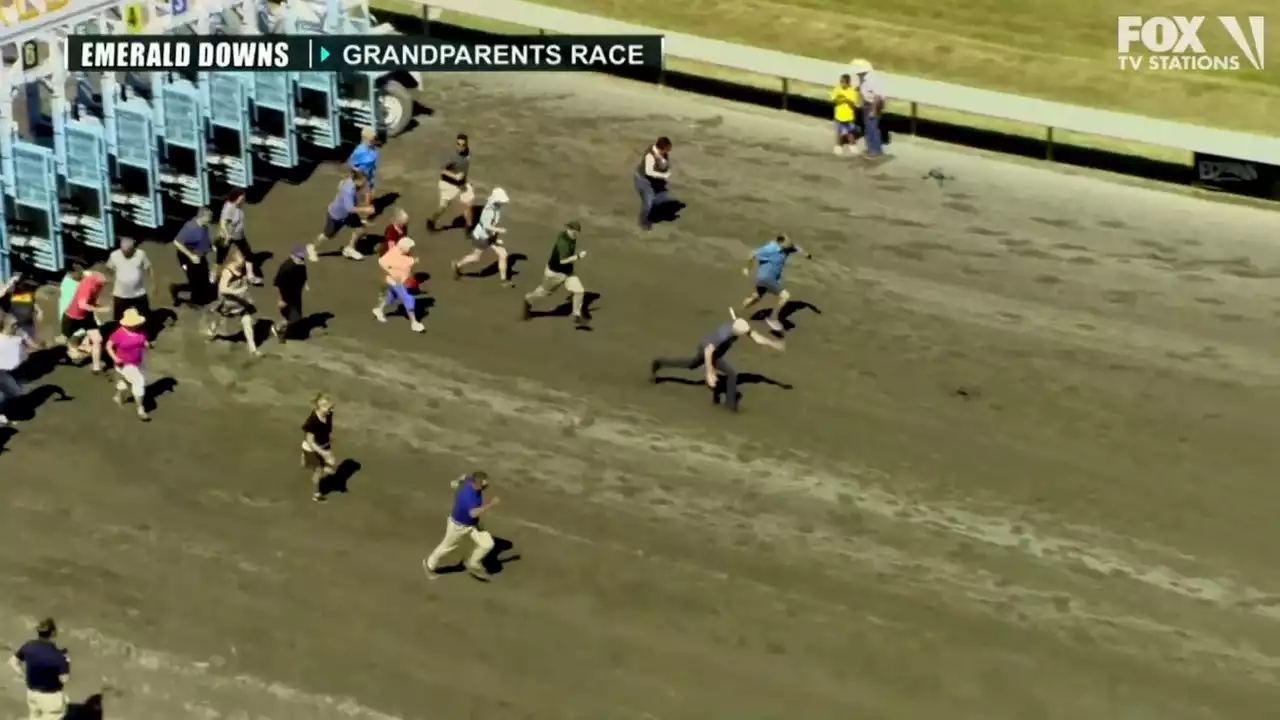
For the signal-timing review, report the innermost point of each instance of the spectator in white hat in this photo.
(872, 107)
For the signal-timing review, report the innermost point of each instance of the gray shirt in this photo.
(233, 217)
(461, 164)
(130, 273)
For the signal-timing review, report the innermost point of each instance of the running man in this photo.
(80, 317)
(710, 356)
(844, 101)
(234, 302)
(231, 233)
(397, 266)
(365, 157)
(351, 208)
(455, 185)
(14, 346)
(194, 244)
(488, 235)
(469, 506)
(290, 283)
(561, 270)
(651, 179)
(317, 448)
(768, 260)
(127, 347)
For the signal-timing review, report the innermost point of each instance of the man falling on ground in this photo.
(487, 235)
(710, 356)
(768, 260)
(561, 270)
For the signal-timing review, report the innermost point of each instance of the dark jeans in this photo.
(10, 388)
(291, 315)
(871, 131)
(649, 199)
(199, 288)
(728, 385)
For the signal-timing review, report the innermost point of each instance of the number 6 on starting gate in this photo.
(135, 18)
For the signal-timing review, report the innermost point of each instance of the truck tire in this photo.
(397, 107)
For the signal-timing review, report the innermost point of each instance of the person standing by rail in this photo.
(469, 506)
(844, 102)
(872, 108)
(45, 668)
(652, 175)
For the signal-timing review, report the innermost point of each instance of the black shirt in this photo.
(291, 278)
(46, 663)
(321, 430)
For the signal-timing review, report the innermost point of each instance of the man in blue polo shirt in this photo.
(365, 157)
(45, 668)
(769, 260)
(351, 208)
(194, 244)
(464, 522)
(710, 356)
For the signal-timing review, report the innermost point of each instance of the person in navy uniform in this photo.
(45, 668)
(651, 177)
(710, 356)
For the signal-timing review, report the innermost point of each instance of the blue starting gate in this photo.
(273, 116)
(183, 171)
(80, 149)
(33, 227)
(318, 98)
(135, 172)
(225, 97)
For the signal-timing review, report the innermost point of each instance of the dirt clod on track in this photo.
(1024, 470)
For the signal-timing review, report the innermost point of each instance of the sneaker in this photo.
(580, 321)
(312, 254)
(527, 313)
(774, 324)
(457, 271)
(479, 573)
(426, 569)
(351, 253)
(4, 421)
(854, 150)
(255, 281)
(380, 314)
(120, 397)
(319, 497)
(508, 284)
(143, 415)
(417, 327)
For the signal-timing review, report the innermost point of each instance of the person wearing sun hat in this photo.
(127, 347)
(872, 107)
(710, 356)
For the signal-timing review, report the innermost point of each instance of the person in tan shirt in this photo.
(397, 266)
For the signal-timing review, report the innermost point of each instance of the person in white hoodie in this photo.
(487, 235)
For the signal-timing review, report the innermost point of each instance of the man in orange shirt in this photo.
(397, 265)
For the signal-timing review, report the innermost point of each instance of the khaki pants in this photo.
(552, 281)
(450, 192)
(46, 706)
(454, 535)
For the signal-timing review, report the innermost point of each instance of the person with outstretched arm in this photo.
(710, 356)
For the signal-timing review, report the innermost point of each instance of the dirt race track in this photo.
(1025, 469)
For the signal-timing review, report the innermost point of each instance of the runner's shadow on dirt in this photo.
(565, 309)
(340, 481)
(383, 202)
(25, 407)
(41, 363)
(157, 390)
(5, 434)
(667, 212)
(303, 329)
(744, 379)
(493, 563)
(159, 320)
(90, 709)
(513, 259)
(791, 308)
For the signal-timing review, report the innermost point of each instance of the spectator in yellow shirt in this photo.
(844, 100)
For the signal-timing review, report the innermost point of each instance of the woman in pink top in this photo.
(397, 264)
(127, 346)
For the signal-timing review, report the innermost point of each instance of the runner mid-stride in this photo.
(397, 267)
(561, 271)
(127, 346)
(488, 235)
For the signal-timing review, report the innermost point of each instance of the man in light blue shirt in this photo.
(469, 505)
(365, 157)
(768, 261)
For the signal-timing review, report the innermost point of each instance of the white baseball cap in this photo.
(405, 243)
(860, 66)
(499, 196)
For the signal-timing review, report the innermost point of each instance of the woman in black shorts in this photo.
(234, 301)
(317, 455)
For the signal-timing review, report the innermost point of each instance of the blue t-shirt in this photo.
(722, 339)
(770, 259)
(45, 663)
(364, 159)
(490, 216)
(195, 238)
(467, 498)
(345, 201)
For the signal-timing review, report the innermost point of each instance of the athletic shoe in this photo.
(426, 569)
(479, 573)
(380, 315)
(775, 325)
(417, 327)
(312, 254)
(351, 254)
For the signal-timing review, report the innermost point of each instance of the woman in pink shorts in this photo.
(127, 346)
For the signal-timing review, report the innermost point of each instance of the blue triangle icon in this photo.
(324, 54)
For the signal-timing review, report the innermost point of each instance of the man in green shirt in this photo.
(560, 272)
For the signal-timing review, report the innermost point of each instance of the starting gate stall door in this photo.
(34, 229)
(136, 176)
(273, 119)
(183, 172)
(227, 105)
(318, 104)
(86, 212)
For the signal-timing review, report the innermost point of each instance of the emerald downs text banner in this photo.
(340, 53)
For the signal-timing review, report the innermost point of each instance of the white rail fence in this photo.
(1050, 115)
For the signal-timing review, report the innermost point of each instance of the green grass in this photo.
(972, 56)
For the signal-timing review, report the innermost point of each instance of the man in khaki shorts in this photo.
(561, 271)
(455, 185)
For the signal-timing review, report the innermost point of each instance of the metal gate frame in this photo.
(35, 189)
(322, 131)
(131, 142)
(226, 105)
(86, 167)
(273, 92)
(182, 126)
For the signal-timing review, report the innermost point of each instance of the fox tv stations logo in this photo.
(1173, 43)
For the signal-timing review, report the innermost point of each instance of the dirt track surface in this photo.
(1024, 469)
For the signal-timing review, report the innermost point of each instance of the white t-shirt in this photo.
(130, 274)
(13, 352)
